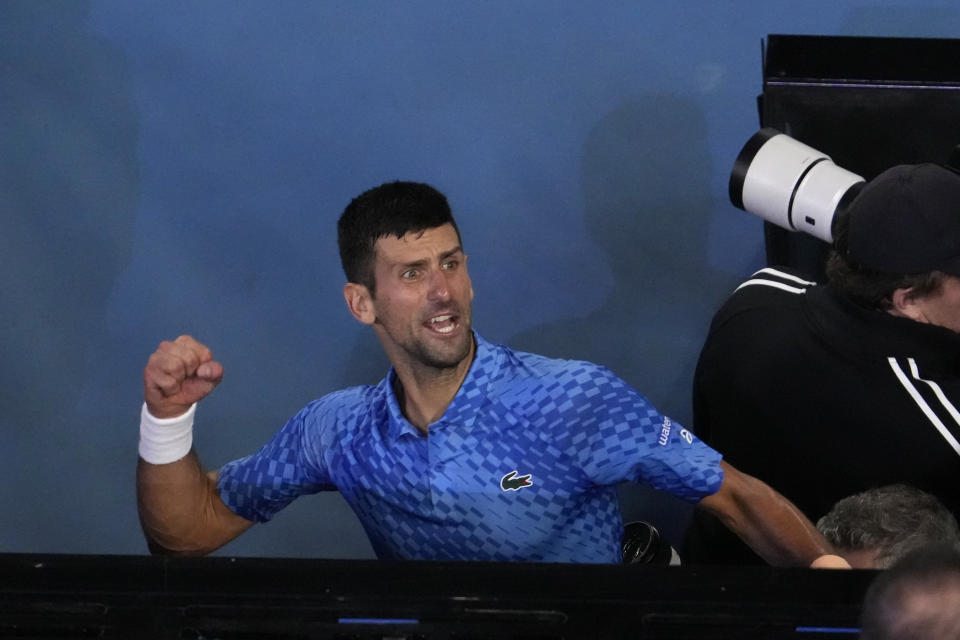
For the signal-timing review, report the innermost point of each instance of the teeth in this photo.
(441, 319)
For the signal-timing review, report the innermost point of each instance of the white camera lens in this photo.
(790, 184)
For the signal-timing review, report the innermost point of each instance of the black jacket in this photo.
(821, 398)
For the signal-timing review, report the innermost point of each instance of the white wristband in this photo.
(165, 440)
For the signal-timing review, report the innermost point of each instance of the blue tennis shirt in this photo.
(523, 465)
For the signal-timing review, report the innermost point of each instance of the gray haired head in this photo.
(888, 522)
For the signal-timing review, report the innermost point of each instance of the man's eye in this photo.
(410, 274)
(450, 265)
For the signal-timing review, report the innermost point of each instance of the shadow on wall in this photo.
(646, 183)
(68, 188)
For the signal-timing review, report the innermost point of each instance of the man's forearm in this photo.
(769, 523)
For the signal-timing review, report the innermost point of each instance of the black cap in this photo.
(907, 221)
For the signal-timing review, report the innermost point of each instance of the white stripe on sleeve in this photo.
(915, 394)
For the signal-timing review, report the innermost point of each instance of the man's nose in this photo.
(437, 286)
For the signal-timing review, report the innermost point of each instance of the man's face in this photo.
(421, 308)
(943, 307)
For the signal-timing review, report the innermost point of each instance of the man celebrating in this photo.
(827, 391)
(466, 450)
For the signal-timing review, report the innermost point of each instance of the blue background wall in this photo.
(178, 167)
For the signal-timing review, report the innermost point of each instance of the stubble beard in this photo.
(437, 355)
(449, 355)
(441, 360)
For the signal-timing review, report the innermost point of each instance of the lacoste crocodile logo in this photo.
(510, 482)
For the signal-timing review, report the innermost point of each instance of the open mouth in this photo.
(442, 324)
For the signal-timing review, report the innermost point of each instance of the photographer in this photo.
(826, 391)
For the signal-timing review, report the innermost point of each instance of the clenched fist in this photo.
(178, 374)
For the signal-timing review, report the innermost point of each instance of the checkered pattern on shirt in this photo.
(573, 427)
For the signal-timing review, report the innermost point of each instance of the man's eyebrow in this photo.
(424, 261)
(447, 254)
(410, 265)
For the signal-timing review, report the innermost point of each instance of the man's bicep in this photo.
(227, 523)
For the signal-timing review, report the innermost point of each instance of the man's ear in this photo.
(907, 305)
(359, 302)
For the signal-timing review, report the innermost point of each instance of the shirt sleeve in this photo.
(624, 437)
(260, 485)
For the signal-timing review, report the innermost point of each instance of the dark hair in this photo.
(917, 599)
(891, 520)
(870, 288)
(394, 208)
